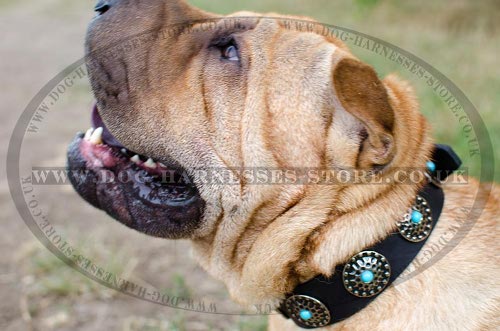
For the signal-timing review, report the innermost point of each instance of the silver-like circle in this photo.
(320, 313)
(416, 232)
(371, 261)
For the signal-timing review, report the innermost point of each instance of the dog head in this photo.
(198, 93)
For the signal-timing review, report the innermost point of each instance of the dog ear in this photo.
(364, 96)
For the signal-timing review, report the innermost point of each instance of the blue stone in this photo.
(416, 217)
(305, 314)
(431, 166)
(367, 276)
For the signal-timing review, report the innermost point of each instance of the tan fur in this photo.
(284, 108)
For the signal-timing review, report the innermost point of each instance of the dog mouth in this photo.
(148, 196)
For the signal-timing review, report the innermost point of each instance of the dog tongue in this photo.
(107, 137)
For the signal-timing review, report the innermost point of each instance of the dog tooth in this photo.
(124, 151)
(96, 137)
(161, 164)
(150, 163)
(135, 159)
(88, 134)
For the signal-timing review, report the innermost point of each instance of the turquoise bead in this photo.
(367, 276)
(431, 166)
(416, 217)
(305, 314)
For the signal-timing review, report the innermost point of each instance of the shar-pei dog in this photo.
(286, 161)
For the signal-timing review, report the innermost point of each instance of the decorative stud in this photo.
(366, 274)
(307, 311)
(431, 166)
(305, 314)
(431, 174)
(416, 216)
(416, 224)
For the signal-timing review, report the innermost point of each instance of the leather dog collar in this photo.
(324, 301)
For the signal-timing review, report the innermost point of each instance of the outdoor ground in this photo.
(41, 38)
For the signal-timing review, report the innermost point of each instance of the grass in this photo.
(180, 323)
(257, 323)
(46, 276)
(177, 287)
(53, 277)
(134, 323)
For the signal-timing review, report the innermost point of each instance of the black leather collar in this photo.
(324, 301)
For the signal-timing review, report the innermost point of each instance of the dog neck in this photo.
(325, 227)
(326, 300)
(311, 247)
(308, 240)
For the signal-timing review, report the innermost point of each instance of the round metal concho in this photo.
(370, 261)
(416, 232)
(297, 303)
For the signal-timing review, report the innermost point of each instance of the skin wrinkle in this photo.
(277, 160)
(224, 238)
(320, 149)
(249, 69)
(287, 209)
(209, 113)
(126, 71)
(106, 72)
(285, 234)
(240, 236)
(335, 216)
(162, 16)
(149, 60)
(343, 220)
(265, 134)
(240, 145)
(240, 124)
(317, 230)
(210, 118)
(109, 88)
(206, 108)
(262, 240)
(308, 243)
(268, 107)
(268, 113)
(112, 88)
(423, 154)
(325, 162)
(216, 228)
(329, 110)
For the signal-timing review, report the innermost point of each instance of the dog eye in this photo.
(230, 52)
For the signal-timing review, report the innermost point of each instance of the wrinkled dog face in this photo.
(240, 93)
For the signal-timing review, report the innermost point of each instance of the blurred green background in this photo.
(40, 38)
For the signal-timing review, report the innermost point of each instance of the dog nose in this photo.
(102, 6)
